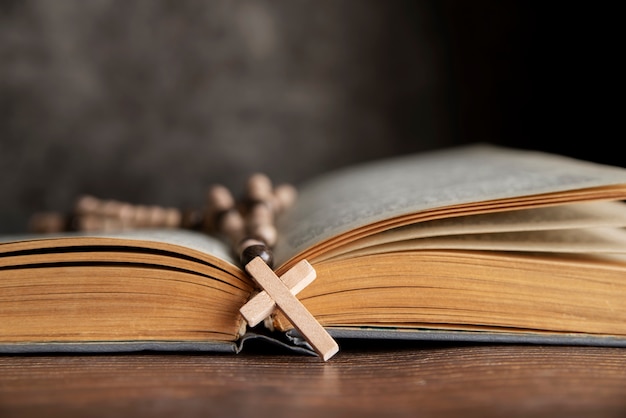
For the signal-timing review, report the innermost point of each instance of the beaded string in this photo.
(250, 229)
(91, 214)
(248, 226)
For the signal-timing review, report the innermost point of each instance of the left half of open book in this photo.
(166, 290)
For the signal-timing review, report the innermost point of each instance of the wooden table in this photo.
(391, 379)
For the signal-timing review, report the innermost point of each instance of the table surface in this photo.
(391, 379)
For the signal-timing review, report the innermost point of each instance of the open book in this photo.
(476, 243)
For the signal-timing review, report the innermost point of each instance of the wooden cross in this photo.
(280, 292)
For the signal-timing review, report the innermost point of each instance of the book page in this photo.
(572, 216)
(576, 241)
(189, 239)
(356, 196)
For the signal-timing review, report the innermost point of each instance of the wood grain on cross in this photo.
(280, 292)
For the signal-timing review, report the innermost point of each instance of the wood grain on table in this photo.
(385, 379)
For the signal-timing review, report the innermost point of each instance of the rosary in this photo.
(248, 227)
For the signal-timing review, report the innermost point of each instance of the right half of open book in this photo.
(477, 243)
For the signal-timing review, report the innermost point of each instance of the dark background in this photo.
(152, 101)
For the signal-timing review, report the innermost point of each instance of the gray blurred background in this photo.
(152, 101)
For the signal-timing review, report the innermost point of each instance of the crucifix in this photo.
(253, 238)
(280, 292)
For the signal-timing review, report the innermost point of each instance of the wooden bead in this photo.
(90, 223)
(173, 218)
(260, 214)
(266, 233)
(259, 188)
(47, 222)
(251, 248)
(219, 201)
(141, 216)
(219, 198)
(231, 224)
(156, 216)
(86, 204)
(284, 197)
(125, 213)
(111, 208)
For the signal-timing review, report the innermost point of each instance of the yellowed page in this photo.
(576, 241)
(573, 216)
